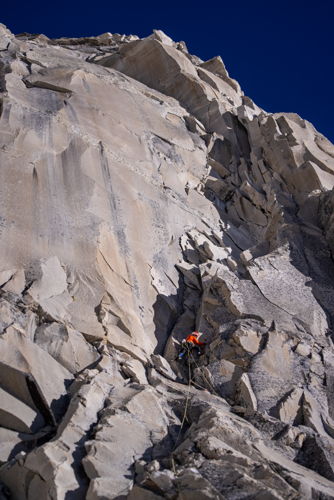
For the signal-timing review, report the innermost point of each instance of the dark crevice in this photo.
(4, 69)
(167, 311)
(47, 86)
(39, 400)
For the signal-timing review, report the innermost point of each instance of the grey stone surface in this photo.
(67, 346)
(144, 196)
(32, 375)
(162, 366)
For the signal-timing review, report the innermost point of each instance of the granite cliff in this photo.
(143, 196)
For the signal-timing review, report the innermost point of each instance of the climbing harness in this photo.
(188, 347)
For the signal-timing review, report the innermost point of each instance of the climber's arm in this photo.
(198, 342)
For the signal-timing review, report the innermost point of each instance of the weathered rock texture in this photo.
(142, 195)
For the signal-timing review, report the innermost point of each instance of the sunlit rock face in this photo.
(142, 196)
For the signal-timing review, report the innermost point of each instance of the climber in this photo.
(191, 343)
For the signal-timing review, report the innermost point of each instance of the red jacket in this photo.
(193, 339)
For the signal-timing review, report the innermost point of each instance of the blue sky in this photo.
(280, 52)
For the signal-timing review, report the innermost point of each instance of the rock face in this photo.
(143, 196)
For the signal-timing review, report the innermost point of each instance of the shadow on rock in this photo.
(167, 310)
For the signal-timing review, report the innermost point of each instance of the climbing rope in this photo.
(191, 381)
(187, 399)
(184, 417)
(205, 378)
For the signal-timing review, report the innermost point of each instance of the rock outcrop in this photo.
(143, 196)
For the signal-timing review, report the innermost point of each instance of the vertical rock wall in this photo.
(143, 195)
